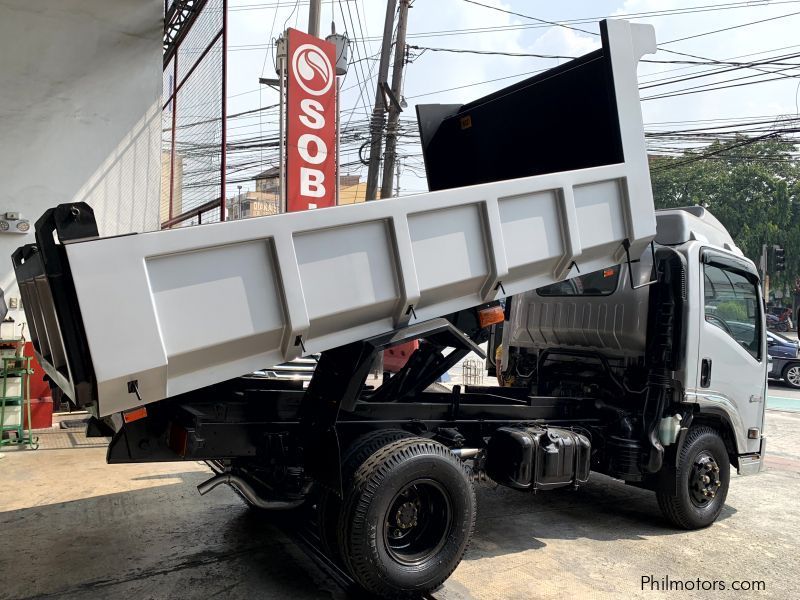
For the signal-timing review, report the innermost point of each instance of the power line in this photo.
(697, 35)
(516, 14)
(554, 23)
(560, 56)
(488, 52)
(717, 151)
(710, 87)
(667, 81)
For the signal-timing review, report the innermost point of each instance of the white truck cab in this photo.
(722, 370)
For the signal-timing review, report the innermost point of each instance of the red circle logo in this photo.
(312, 69)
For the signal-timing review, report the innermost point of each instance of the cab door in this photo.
(732, 349)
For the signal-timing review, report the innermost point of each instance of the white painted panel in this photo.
(211, 297)
(346, 268)
(600, 214)
(531, 228)
(449, 248)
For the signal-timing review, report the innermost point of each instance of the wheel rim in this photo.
(704, 480)
(793, 376)
(418, 522)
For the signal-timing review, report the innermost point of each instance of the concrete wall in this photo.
(80, 113)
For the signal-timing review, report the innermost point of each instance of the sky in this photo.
(444, 77)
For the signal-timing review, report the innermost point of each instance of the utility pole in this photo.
(397, 185)
(314, 11)
(378, 117)
(281, 52)
(394, 106)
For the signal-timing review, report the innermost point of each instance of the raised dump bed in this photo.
(134, 319)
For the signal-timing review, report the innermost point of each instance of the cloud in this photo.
(567, 42)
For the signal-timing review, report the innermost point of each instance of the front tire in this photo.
(791, 375)
(407, 518)
(692, 496)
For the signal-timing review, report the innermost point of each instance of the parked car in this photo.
(785, 353)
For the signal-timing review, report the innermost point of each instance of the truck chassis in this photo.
(387, 471)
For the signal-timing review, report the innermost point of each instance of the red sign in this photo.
(311, 120)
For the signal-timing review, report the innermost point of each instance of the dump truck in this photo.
(612, 327)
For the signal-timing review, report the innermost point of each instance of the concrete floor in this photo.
(74, 527)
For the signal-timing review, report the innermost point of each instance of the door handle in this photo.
(705, 373)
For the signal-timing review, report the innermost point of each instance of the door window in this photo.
(731, 303)
(598, 283)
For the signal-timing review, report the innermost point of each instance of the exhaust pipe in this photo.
(465, 453)
(246, 490)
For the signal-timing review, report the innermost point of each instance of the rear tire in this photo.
(692, 495)
(791, 375)
(330, 505)
(407, 518)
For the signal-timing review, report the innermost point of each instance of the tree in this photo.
(752, 185)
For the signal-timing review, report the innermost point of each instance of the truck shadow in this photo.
(166, 541)
(603, 510)
(163, 541)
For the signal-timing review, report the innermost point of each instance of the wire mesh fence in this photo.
(194, 121)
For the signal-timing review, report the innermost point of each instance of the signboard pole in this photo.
(282, 135)
(282, 124)
(337, 182)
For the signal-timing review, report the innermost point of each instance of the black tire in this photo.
(791, 375)
(690, 501)
(330, 505)
(407, 518)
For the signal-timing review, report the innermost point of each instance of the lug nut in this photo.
(706, 479)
